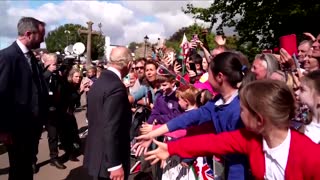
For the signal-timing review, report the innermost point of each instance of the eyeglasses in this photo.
(140, 67)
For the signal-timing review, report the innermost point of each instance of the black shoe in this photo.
(35, 168)
(73, 158)
(57, 164)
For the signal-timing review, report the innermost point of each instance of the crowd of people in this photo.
(172, 110)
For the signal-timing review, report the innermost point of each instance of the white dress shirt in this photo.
(312, 130)
(276, 159)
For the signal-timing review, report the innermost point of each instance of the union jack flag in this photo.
(202, 169)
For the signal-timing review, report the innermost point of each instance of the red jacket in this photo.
(303, 160)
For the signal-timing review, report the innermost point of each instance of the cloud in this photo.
(123, 21)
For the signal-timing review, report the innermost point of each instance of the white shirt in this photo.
(117, 72)
(276, 159)
(220, 102)
(23, 48)
(25, 51)
(312, 130)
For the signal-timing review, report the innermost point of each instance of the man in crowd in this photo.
(107, 153)
(316, 47)
(55, 101)
(303, 49)
(23, 97)
(139, 68)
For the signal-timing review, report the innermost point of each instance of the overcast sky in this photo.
(123, 21)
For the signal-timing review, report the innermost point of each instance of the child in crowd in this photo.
(225, 72)
(166, 105)
(274, 150)
(187, 99)
(92, 73)
(131, 82)
(309, 95)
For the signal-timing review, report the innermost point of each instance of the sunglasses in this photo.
(137, 68)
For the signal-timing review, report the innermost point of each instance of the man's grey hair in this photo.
(50, 56)
(28, 24)
(309, 42)
(121, 59)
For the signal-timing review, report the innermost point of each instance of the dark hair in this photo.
(207, 95)
(229, 65)
(28, 24)
(143, 60)
(196, 59)
(165, 78)
(147, 62)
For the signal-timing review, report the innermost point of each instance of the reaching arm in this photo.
(208, 144)
(139, 94)
(191, 118)
(175, 134)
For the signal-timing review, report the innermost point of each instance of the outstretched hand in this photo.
(146, 128)
(142, 145)
(161, 153)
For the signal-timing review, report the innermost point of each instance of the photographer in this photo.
(55, 84)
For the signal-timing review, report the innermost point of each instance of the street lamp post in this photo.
(68, 33)
(146, 38)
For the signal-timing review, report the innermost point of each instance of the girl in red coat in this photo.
(273, 149)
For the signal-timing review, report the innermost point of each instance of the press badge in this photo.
(50, 93)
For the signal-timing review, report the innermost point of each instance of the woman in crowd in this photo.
(264, 65)
(72, 92)
(146, 94)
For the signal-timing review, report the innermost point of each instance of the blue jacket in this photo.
(225, 118)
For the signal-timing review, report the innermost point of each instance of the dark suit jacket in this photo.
(16, 91)
(109, 116)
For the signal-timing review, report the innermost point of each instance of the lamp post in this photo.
(146, 38)
(68, 33)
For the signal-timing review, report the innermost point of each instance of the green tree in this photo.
(134, 45)
(68, 34)
(175, 40)
(260, 22)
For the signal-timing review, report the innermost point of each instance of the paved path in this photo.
(74, 170)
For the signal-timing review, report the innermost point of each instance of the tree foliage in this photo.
(60, 38)
(260, 22)
(175, 40)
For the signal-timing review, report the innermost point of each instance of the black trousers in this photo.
(53, 128)
(37, 132)
(20, 156)
(70, 134)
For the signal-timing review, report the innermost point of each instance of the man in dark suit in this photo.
(22, 98)
(107, 153)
